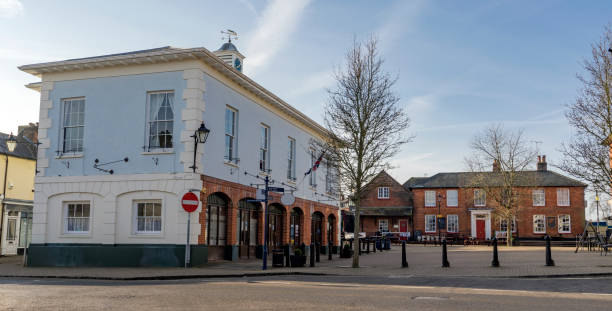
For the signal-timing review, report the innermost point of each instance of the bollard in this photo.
(374, 246)
(368, 246)
(445, 263)
(312, 255)
(404, 262)
(286, 253)
(549, 261)
(495, 262)
(329, 250)
(318, 251)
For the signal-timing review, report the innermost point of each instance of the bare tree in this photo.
(365, 123)
(501, 163)
(587, 154)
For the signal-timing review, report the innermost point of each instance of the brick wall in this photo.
(524, 219)
(236, 192)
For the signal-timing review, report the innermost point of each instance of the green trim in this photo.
(119, 255)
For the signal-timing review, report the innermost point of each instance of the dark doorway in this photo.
(331, 229)
(295, 233)
(216, 228)
(248, 216)
(276, 214)
(317, 228)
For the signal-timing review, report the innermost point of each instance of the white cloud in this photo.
(275, 26)
(315, 82)
(10, 8)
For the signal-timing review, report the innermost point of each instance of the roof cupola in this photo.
(228, 52)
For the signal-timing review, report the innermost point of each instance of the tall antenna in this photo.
(537, 143)
(229, 34)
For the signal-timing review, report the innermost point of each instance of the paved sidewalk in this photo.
(423, 260)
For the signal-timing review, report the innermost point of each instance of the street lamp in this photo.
(11, 143)
(200, 136)
(439, 218)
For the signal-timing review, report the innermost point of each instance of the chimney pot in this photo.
(542, 166)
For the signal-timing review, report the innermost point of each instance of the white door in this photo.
(10, 234)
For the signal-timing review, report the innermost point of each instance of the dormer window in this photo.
(383, 192)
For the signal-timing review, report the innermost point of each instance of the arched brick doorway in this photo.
(248, 220)
(316, 228)
(216, 224)
(296, 227)
(276, 214)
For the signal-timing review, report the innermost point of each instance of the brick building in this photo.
(553, 205)
(386, 207)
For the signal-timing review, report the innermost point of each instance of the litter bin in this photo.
(387, 244)
(277, 258)
(378, 245)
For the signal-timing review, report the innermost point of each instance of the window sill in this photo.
(383, 198)
(263, 174)
(147, 235)
(232, 164)
(84, 235)
(155, 152)
(69, 156)
(569, 232)
(291, 182)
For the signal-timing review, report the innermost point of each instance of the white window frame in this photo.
(501, 227)
(63, 127)
(563, 197)
(264, 149)
(65, 217)
(430, 198)
(135, 216)
(291, 176)
(480, 197)
(232, 157)
(383, 223)
(452, 200)
(313, 173)
(383, 192)
(428, 222)
(562, 223)
(538, 197)
(535, 223)
(149, 122)
(450, 228)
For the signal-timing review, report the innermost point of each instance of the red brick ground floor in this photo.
(482, 224)
(371, 225)
(234, 228)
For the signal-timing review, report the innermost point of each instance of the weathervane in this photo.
(229, 33)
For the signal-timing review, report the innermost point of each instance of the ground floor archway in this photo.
(248, 228)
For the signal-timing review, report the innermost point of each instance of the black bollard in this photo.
(374, 246)
(495, 262)
(368, 246)
(404, 261)
(312, 255)
(549, 261)
(318, 250)
(445, 263)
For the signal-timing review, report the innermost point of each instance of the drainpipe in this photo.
(3, 197)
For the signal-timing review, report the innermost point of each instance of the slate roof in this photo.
(22, 150)
(228, 46)
(470, 179)
(386, 211)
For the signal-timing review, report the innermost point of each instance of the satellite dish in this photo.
(287, 199)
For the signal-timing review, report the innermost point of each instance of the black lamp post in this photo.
(439, 218)
(200, 136)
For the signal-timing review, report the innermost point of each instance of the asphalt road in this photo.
(301, 292)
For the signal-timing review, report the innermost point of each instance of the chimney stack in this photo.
(542, 166)
(496, 167)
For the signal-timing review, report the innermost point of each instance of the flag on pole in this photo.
(316, 164)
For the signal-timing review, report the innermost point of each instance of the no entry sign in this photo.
(189, 202)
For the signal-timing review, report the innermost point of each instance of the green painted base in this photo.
(123, 255)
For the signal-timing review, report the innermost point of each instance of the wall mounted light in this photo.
(200, 136)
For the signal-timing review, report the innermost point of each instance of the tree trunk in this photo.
(356, 235)
(509, 233)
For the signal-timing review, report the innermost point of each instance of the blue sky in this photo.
(462, 65)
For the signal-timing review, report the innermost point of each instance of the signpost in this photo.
(190, 204)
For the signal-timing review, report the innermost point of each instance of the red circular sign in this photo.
(190, 202)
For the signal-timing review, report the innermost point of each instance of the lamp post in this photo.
(199, 136)
(597, 203)
(438, 225)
